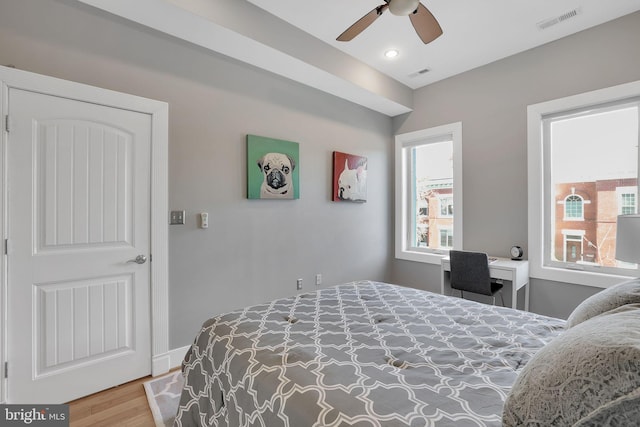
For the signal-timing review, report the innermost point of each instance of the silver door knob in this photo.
(140, 259)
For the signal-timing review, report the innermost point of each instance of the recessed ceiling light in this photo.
(391, 53)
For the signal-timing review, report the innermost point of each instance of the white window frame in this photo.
(403, 144)
(622, 191)
(536, 177)
(443, 201)
(574, 218)
(448, 231)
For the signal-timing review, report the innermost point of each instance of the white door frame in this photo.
(159, 113)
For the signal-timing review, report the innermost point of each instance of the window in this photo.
(446, 238)
(428, 187)
(573, 207)
(446, 206)
(583, 172)
(627, 200)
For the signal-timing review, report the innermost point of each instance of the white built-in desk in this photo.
(516, 272)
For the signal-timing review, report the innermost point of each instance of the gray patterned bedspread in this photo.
(362, 354)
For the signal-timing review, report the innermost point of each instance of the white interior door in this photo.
(78, 177)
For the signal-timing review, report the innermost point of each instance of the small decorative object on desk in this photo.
(516, 253)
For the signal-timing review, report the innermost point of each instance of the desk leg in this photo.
(445, 283)
(514, 295)
(526, 296)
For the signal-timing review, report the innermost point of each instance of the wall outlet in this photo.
(299, 284)
(318, 279)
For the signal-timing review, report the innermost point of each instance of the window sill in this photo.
(424, 257)
(578, 277)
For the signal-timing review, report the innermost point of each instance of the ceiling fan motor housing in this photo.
(403, 7)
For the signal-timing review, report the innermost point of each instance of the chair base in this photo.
(499, 291)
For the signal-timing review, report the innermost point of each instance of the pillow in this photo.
(621, 412)
(590, 372)
(623, 293)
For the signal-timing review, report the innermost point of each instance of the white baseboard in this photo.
(163, 363)
(160, 364)
(177, 356)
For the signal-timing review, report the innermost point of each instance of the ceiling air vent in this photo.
(419, 73)
(543, 25)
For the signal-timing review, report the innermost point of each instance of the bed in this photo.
(359, 354)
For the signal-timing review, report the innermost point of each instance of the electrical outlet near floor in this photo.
(299, 284)
(318, 279)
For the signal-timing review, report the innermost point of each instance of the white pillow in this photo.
(589, 373)
(618, 295)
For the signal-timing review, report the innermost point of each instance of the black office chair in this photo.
(470, 272)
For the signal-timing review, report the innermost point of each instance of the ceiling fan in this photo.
(423, 21)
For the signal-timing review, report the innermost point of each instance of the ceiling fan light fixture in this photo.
(403, 7)
(391, 53)
(423, 21)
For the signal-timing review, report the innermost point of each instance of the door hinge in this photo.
(6, 369)
(6, 246)
(6, 123)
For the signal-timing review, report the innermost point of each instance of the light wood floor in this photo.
(125, 405)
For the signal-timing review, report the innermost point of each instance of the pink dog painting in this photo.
(349, 177)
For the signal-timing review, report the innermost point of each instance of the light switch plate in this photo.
(177, 218)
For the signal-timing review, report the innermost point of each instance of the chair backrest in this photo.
(470, 272)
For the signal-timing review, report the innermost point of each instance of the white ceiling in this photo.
(296, 38)
(476, 32)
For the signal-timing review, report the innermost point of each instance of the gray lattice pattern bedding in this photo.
(362, 354)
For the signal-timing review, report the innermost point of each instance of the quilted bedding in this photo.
(362, 354)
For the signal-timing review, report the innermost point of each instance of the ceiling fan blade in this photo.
(361, 24)
(425, 24)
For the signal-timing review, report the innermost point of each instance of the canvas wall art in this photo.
(273, 168)
(349, 177)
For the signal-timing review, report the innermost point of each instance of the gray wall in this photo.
(253, 250)
(491, 102)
